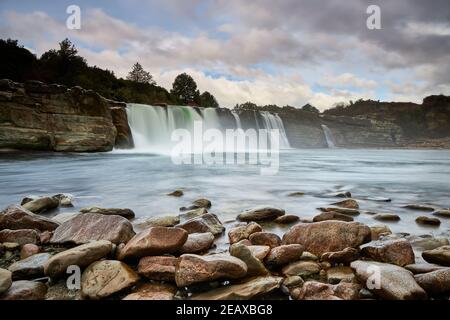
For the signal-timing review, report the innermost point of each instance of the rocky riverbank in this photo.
(178, 256)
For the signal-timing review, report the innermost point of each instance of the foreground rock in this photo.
(345, 256)
(162, 221)
(386, 217)
(254, 266)
(41, 205)
(265, 239)
(313, 290)
(154, 241)
(328, 236)
(15, 217)
(244, 291)
(197, 204)
(284, 254)
(301, 269)
(21, 236)
(105, 278)
(340, 274)
(29, 268)
(204, 223)
(418, 268)
(243, 232)
(395, 283)
(81, 256)
(419, 207)
(442, 213)
(440, 255)
(159, 268)
(399, 252)
(261, 213)
(347, 211)
(378, 231)
(287, 219)
(28, 250)
(194, 269)
(5, 280)
(198, 242)
(25, 290)
(435, 282)
(348, 203)
(331, 215)
(93, 226)
(126, 213)
(260, 252)
(428, 221)
(153, 291)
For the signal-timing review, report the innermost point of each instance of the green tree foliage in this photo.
(138, 74)
(310, 108)
(207, 100)
(16, 62)
(184, 89)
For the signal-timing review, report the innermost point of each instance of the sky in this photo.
(287, 52)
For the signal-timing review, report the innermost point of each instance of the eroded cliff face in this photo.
(37, 116)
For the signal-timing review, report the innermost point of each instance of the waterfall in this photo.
(238, 119)
(329, 136)
(273, 121)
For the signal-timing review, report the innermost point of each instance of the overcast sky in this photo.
(282, 52)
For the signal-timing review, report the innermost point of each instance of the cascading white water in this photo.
(238, 119)
(329, 136)
(274, 122)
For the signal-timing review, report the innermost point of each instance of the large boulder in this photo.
(154, 241)
(313, 290)
(126, 213)
(328, 236)
(159, 268)
(105, 278)
(261, 213)
(398, 251)
(21, 236)
(284, 254)
(81, 256)
(93, 226)
(388, 281)
(194, 268)
(197, 242)
(29, 268)
(205, 223)
(5, 280)
(16, 217)
(42, 204)
(25, 290)
(439, 255)
(265, 239)
(243, 232)
(435, 282)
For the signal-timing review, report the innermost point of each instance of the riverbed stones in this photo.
(29, 268)
(198, 242)
(93, 226)
(284, 254)
(345, 256)
(386, 217)
(398, 251)
(378, 231)
(176, 193)
(260, 252)
(194, 213)
(440, 255)
(195, 269)
(159, 268)
(16, 217)
(153, 291)
(196, 204)
(28, 250)
(340, 274)
(159, 221)
(287, 219)
(243, 232)
(434, 282)
(428, 221)
(313, 290)
(442, 213)
(41, 205)
(253, 288)
(254, 266)
(265, 239)
(65, 200)
(20, 236)
(154, 241)
(126, 213)
(393, 283)
(301, 268)
(348, 203)
(204, 223)
(261, 213)
(81, 256)
(347, 211)
(25, 290)
(419, 207)
(418, 268)
(332, 215)
(328, 236)
(5, 280)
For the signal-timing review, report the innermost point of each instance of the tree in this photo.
(16, 62)
(207, 100)
(310, 108)
(184, 89)
(138, 74)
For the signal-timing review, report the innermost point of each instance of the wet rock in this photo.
(434, 282)
(162, 221)
(386, 217)
(205, 223)
(397, 252)
(341, 194)
(25, 290)
(93, 226)
(301, 269)
(29, 268)
(5, 280)
(41, 205)
(308, 256)
(378, 231)
(327, 236)
(199, 203)
(287, 219)
(198, 242)
(379, 199)
(159, 268)
(105, 278)
(348, 203)
(393, 283)
(337, 275)
(126, 213)
(440, 255)
(442, 213)
(418, 268)
(331, 215)
(253, 288)
(427, 243)
(153, 291)
(60, 291)
(65, 216)
(347, 211)
(419, 207)
(254, 266)
(296, 194)
(428, 221)
(313, 290)
(245, 242)
(45, 237)
(345, 256)
(260, 252)
(293, 281)
(20, 236)
(192, 214)
(154, 241)
(176, 193)
(194, 268)
(261, 213)
(284, 254)
(28, 250)
(265, 239)
(65, 200)
(243, 232)
(15, 217)
(81, 256)
(11, 246)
